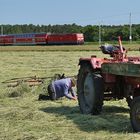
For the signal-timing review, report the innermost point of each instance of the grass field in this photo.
(87, 47)
(23, 117)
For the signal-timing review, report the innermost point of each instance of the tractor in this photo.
(116, 77)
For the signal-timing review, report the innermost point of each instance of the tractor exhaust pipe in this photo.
(120, 44)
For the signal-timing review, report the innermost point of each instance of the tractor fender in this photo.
(93, 61)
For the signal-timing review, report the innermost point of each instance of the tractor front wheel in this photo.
(90, 90)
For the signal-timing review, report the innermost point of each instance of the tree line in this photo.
(91, 32)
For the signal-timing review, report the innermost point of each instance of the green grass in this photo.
(87, 47)
(23, 117)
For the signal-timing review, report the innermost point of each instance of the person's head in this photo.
(73, 82)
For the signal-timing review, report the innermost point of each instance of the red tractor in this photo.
(117, 77)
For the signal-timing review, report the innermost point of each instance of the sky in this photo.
(80, 12)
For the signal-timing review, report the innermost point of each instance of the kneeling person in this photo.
(61, 88)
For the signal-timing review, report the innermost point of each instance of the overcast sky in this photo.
(81, 12)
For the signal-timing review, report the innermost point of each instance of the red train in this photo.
(42, 39)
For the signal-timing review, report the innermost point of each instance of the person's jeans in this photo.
(51, 92)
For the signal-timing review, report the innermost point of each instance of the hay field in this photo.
(23, 117)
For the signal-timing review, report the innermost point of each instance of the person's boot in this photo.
(43, 97)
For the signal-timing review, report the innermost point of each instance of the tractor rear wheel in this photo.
(135, 114)
(90, 90)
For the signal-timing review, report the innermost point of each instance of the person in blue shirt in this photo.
(61, 88)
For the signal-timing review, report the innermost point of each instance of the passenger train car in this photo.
(67, 39)
(41, 39)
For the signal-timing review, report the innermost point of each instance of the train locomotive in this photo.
(42, 39)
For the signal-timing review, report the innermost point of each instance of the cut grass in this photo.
(23, 117)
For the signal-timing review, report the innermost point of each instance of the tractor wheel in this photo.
(90, 90)
(129, 101)
(135, 114)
